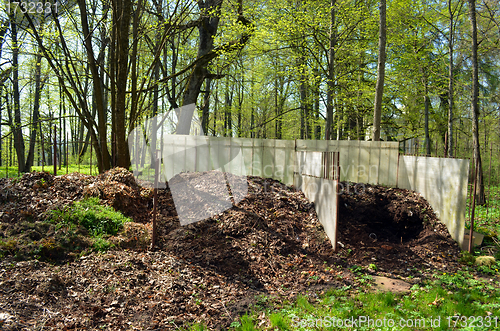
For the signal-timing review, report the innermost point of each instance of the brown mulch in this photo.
(270, 246)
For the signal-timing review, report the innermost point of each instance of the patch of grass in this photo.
(486, 217)
(100, 244)
(89, 213)
(11, 172)
(428, 306)
(100, 221)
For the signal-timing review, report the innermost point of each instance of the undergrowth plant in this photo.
(486, 218)
(89, 213)
(99, 220)
(440, 303)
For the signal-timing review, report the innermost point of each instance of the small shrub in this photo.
(467, 258)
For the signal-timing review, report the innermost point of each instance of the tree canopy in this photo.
(257, 68)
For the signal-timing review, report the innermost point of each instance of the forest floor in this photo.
(270, 245)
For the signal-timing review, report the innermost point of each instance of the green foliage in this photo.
(467, 258)
(246, 324)
(486, 217)
(11, 172)
(89, 213)
(279, 320)
(100, 244)
(436, 300)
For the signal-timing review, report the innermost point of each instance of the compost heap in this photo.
(270, 246)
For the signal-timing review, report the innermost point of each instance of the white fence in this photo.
(443, 182)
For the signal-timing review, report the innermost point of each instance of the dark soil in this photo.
(396, 229)
(269, 247)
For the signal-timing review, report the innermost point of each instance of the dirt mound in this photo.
(393, 228)
(387, 214)
(119, 189)
(32, 195)
(269, 245)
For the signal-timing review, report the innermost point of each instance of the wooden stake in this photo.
(489, 180)
(471, 235)
(337, 177)
(55, 151)
(155, 200)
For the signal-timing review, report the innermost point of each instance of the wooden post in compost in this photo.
(43, 151)
(337, 181)
(55, 151)
(155, 199)
(471, 235)
(91, 159)
(489, 180)
(67, 152)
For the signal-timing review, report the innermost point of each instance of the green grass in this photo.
(11, 172)
(487, 217)
(100, 221)
(97, 219)
(440, 303)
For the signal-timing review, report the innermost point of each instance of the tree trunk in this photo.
(134, 95)
(207, 28)
(206, 107)
(450, 84)
(3, 31)
(228, 104)
(122, 12)
(379, 89)
(427, 102)
(240, 103)
(475, 104)
(277, 108)
(317, 97)
(331, 73)
(426, 124)
(36, 113)
(16, 129)
(303, 100)
(101, 146)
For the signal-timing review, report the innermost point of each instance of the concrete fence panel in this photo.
(443, 183)
(323, 193)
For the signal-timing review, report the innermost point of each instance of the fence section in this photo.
(443, 182)
(320, 185)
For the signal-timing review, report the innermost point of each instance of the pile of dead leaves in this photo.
(269, 246)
